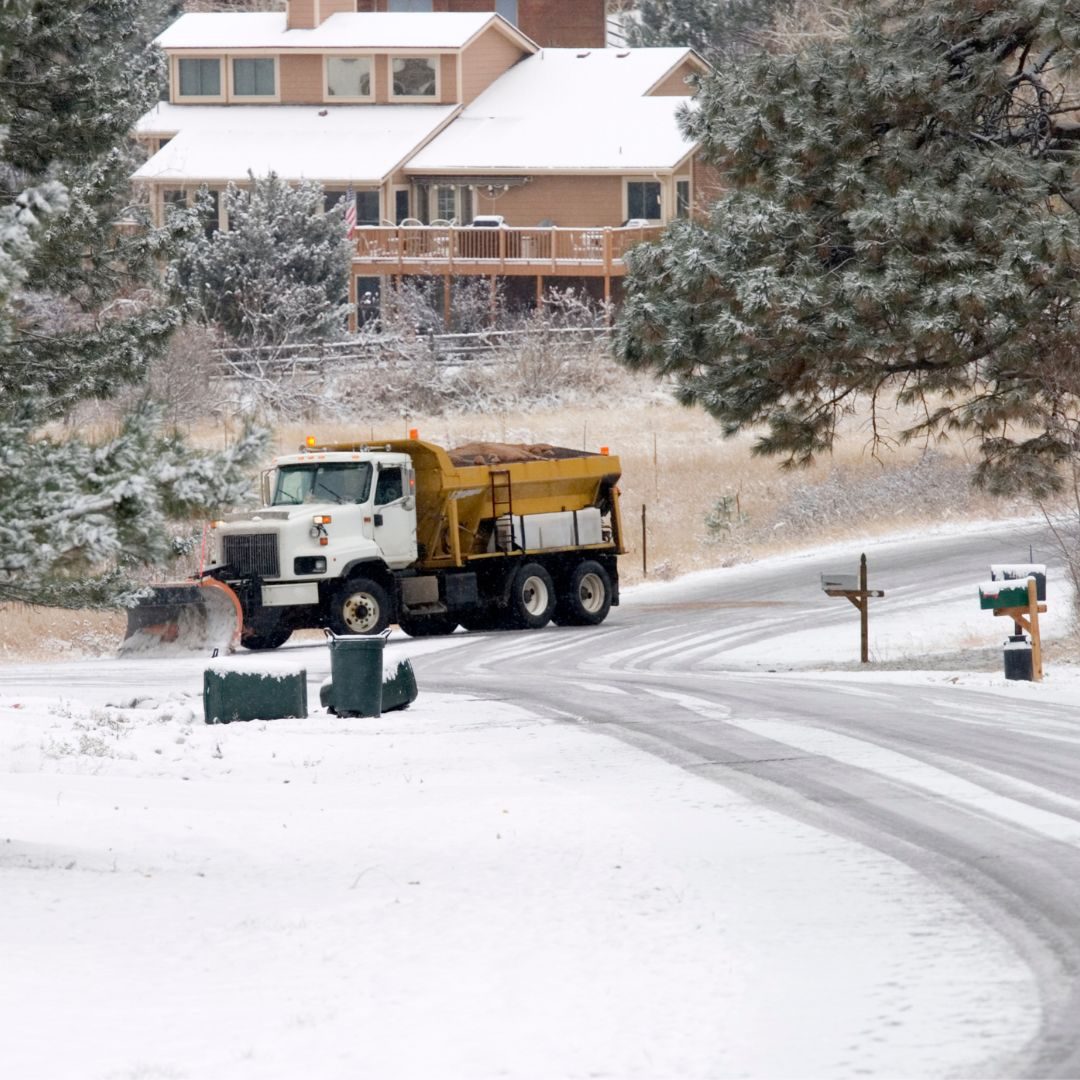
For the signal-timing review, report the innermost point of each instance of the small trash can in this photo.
(1018, 658)
(356, 664)
(230, 695)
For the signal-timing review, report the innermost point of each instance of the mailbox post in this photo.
(1017, 592)
(854, 588)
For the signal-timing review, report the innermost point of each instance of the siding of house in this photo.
(448, 88)
(484, 61)
(675, 83)
(301, 79)
(302, 14)
(565, 200)
(708, 185)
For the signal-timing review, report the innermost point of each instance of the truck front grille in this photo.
(253, 555)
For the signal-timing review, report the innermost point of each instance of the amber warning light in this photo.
(310, 440)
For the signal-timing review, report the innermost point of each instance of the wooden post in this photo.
(864, 614)
(1026, 620)
(644, 547)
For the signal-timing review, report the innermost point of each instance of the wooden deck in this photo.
(464, 250)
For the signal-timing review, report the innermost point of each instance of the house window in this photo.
(254, 77)
(401, 205)
(348, 76)
(367, 205)
(409, 5)
(451, 203)
(172, 199)
(415, 77)
(643, 199)
(199, 77)
(211, 217)
(508, 9)
(682, 198)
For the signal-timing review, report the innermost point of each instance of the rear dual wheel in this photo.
(532, 598)
(586, 599)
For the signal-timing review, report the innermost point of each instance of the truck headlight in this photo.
(309, 564)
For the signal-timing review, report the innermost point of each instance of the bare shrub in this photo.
(803, 22)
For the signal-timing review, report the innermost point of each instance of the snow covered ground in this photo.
(462, 890)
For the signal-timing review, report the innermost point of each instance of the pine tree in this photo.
(280, 273)
(710, 27)
(901, 220)
(81, 316)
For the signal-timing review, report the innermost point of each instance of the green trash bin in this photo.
(356, 664)
(230, 695)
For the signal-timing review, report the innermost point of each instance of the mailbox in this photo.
(1021, 572)
(840, 582)
(995, 595)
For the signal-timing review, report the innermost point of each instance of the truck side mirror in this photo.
(409, 502)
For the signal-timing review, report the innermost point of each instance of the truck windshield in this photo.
(335, 482)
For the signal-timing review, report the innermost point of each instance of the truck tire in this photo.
(586, 599)
(427, 625)
(359, 606)
(532, 598)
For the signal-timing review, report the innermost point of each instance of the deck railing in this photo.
(462, 248)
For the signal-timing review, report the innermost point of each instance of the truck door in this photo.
(395, 517)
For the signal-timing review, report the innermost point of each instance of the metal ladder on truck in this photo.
(502, 509)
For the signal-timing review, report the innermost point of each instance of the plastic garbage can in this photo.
(1018, 658)
(253, 695)
(356, 675)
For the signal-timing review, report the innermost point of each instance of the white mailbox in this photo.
(840, 582)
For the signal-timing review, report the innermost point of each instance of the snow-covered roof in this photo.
(229, 31)
(567, 109)
(358, 143)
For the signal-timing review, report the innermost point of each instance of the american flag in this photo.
(350, 211)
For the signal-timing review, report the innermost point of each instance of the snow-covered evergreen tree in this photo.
(279, 274)
(80, 314)
(902, 220)
(710, 27)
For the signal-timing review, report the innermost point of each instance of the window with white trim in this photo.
(682, 198)
(410, 5)
(254, 76)
(348, 77)
(198, 76)
(643, 199)
(414, 77)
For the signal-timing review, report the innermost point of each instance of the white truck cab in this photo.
(323, 513)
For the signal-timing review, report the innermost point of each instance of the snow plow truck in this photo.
(355, 536)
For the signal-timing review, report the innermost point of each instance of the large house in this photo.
(469, 148)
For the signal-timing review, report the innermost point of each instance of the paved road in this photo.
(978, 793)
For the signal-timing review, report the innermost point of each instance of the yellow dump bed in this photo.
(457, 504)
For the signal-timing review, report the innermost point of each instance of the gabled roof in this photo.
(567, 110)
(217, 143)
(230, 31)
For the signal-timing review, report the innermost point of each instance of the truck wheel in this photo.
(532, 598)
(587, 598)
(427, 625)
(360, 606)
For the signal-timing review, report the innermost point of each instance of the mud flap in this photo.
(185, 616)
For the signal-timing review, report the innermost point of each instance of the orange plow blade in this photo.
(184, 616)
